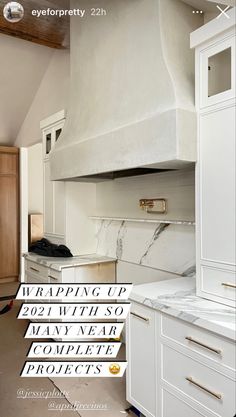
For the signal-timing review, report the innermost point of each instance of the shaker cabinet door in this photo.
(48, 200)
(217, 186)
(141, 356)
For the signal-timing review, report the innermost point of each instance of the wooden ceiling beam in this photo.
(50, 31)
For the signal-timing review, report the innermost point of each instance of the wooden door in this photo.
(9, 213)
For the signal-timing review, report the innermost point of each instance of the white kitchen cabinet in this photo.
(197, 367)
(54, 192)
(215, 169)
(96, 272)
(198, 382)
(177, 368)
(99, 272)
(141, 357)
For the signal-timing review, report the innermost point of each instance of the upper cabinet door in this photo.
(51, 130)
(217, 186)
(217, 76)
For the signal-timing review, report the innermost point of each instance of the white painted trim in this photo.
(212, 28)
(23, 208)
(54, 118)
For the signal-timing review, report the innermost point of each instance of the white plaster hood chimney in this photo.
(132, 90)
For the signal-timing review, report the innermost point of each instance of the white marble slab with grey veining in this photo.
(59, 263)
(167, 247)
(177, 297)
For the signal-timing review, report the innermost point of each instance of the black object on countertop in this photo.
(45, 248)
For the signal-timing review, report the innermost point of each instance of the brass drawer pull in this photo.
(33, 269)
(55, 279)
(214, 394)
(228, 284)
(140, 317)
(190, 339)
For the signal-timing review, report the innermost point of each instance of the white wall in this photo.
(80, 230)
(121, 197)
(52, 96)
(35, 179)
(22, 68)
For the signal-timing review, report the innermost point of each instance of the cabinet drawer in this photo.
(220, 283)
(54, 277)
(37, 269)
(199, 382)
(199, 340)
(31, 278)
(170, 402)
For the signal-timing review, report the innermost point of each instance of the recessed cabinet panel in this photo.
(217, 186)
(173, 406)
(59, 207)
(48, 200)
(8, 163)
(141, 384)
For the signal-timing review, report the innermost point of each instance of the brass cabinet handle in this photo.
(214, 394)
(140, 317)
(50, 276)
(33, 269)
(190, 339)
(228, 284)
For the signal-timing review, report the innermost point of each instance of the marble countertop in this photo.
(177, 297)
(59, 263)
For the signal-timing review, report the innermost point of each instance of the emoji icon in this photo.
(114, 368)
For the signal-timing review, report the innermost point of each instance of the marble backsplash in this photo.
(162, 247)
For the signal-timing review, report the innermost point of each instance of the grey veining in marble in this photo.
(59, 263)
(178, 298)
(163, 246)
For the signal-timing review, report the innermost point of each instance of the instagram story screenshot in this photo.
(117, 208)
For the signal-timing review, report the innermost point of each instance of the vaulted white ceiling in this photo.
(22, 67)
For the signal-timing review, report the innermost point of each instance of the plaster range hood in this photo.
(131, 106)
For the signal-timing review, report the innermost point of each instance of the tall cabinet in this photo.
(9, 214)
(54, 192)
(215, 171)
(66, 204)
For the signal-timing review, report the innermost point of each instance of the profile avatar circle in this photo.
(13, 12)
